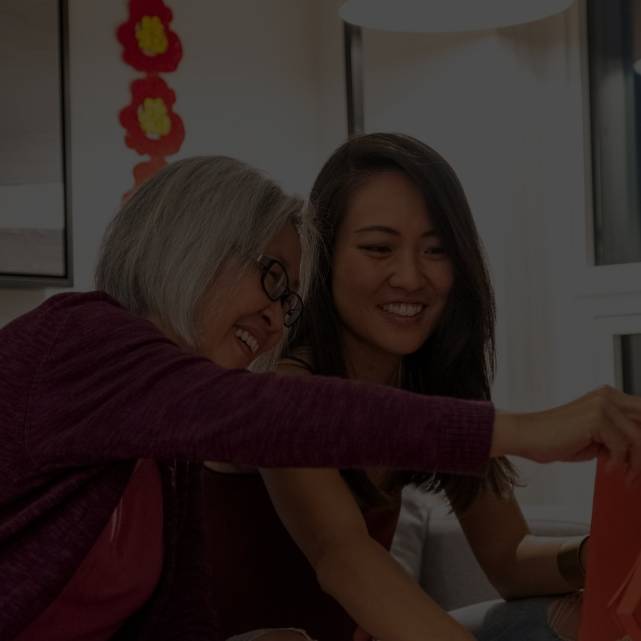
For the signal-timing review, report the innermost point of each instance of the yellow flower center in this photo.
(153, 118)
(151, 36)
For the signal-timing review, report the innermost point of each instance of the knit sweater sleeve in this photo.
(109, 386)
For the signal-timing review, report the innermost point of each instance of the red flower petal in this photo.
(145, 170)
(136, 138)
(133, 54)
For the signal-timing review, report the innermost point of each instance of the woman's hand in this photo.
(605, 420)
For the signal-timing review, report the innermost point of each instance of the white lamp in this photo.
(447, 16)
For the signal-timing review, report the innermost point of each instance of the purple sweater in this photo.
(86, 389)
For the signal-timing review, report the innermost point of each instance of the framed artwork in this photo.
(35, 221)
(614, 54)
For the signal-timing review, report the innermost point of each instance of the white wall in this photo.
(246, 86)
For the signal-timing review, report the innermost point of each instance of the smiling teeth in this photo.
(403, 309)
(248, 339)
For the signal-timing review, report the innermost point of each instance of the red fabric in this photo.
(261, 578)
(612, 600)
(118, 575)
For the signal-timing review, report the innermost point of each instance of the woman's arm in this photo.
(104, 385)
(324, 520)
(517, 563)
(87, 382)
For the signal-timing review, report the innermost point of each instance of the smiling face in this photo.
(391, 274)
(237, 319)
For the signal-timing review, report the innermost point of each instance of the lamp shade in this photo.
(447, 16)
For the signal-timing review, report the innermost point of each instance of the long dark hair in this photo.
(458, 360)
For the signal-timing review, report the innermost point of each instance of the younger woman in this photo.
(400, 297)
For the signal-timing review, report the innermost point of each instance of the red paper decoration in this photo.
(148, 42)
(152, 126)
(149, 45)
(611, 608)
(144, 170)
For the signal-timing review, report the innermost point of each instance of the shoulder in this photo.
(297, 363)
(32, 338)
(87, 311)
(98, 311)
(95, 321)
(85, 342)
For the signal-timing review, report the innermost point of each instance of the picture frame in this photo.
(35, 200)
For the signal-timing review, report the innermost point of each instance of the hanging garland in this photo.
(150, 46)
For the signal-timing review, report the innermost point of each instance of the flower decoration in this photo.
(148, 42)
(152, 126)
(153, 118)
(149, 45)
(147, 169)
(151, 36)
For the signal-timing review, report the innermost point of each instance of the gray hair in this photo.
(171, 237)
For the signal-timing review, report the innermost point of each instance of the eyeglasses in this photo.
(275, 284)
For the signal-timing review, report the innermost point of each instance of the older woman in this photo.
(106, 396)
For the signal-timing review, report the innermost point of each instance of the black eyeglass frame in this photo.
(288, 299)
